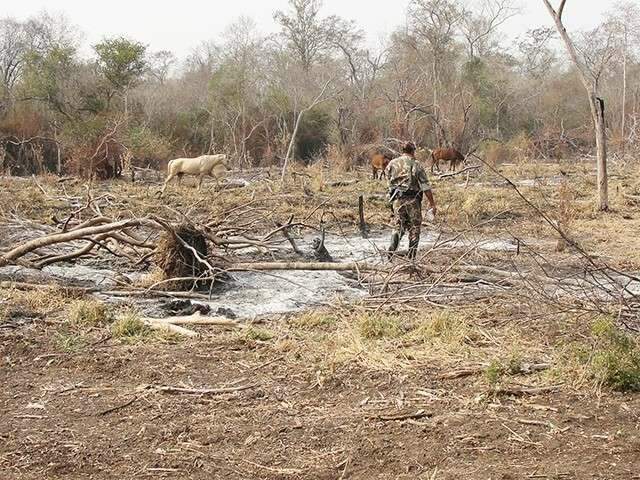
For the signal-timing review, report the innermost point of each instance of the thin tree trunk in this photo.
(596, 104)
(623, 123)
(291, 144)
(318, 100)
(55, 138)
(598, 113)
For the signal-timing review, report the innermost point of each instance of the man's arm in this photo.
(425, 187)
(432, 201)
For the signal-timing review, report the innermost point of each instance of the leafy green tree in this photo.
(48, 78)
(122, 62)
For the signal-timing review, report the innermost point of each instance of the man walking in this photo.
(408, 183)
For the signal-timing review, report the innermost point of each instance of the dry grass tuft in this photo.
(445, 327)
(129, 328)
(69, 342)
(313, 320)
(89, 313)
(379, 326)
(257, 334)
(43, 301)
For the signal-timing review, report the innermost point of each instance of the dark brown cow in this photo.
(379, 163)
(451, 155)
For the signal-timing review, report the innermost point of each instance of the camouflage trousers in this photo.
(407, 217)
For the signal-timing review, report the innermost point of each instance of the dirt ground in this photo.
(96, 414)
(489, 388)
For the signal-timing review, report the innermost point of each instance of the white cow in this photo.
(201, 166)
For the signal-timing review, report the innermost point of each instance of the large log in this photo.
(305, 266)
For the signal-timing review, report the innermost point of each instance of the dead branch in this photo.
(401, 416)
(197, 319)
(203, 391)
(342, 183)
(28, 247)
(522, 391)
(465, 170)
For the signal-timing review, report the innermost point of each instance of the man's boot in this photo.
(413, 248)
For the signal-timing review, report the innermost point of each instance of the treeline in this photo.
(314, 90)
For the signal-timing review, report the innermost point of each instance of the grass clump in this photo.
(494, 373)
(130, 328)
(379, 326)
(69, 342)
(89, 313)
(446, 326)
(313, 320)
(257, 334)
(615, 360)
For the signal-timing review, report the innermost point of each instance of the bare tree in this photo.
(537, 58)
(435, 22)
(310, 36)
(625, 19)
(479, 27)
(18, 40)
(590, 80)
(160, 64)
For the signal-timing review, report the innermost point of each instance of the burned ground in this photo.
(448, 372)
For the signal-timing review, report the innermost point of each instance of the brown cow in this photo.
(451, 155)
(379, 163)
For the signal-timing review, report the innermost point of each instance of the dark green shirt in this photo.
(407, 175)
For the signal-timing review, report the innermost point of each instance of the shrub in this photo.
(313, 135)
(148, 148)
(615, 361)
(497, 153)
(494, 373)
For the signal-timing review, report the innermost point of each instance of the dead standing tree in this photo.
(317, 101)
(591, 84)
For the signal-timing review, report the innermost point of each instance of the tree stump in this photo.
(181, 263)
(320, 252)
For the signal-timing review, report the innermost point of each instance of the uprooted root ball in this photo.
(181, 263)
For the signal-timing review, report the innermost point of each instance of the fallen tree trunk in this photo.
(197, 319)
(302, 266)
(169, 327)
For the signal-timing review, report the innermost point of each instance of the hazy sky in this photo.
(180, 25)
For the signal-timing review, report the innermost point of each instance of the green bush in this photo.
(615, 361)
(313, 135)
(494, 373)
